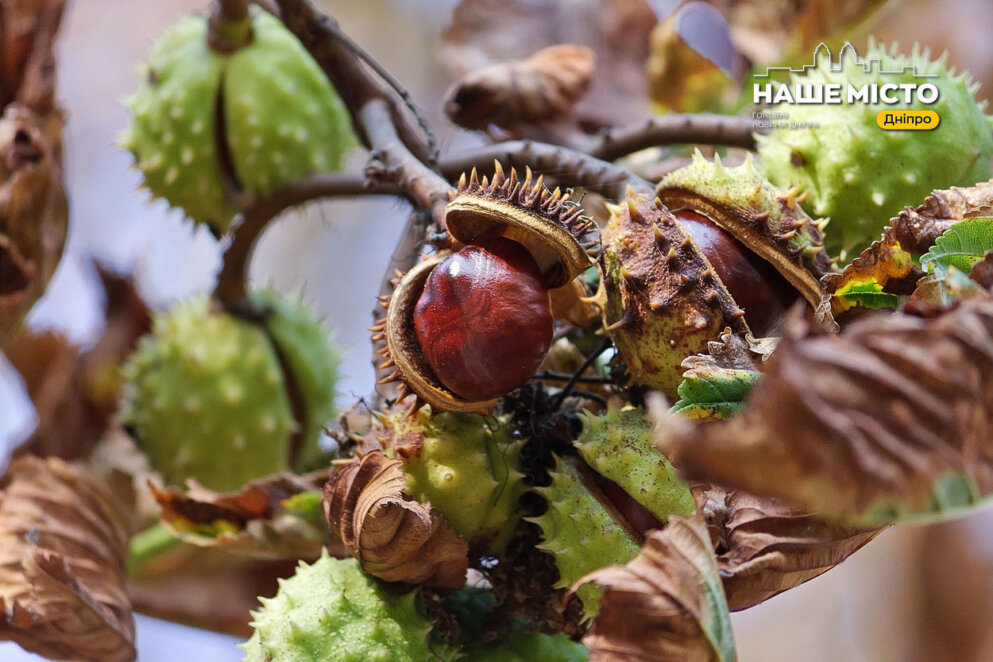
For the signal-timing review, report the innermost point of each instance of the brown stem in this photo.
(232, 10)
(702, 129)
(230, 26)
(577, 168)
(234, 274)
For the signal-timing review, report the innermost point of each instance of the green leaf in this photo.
(868, 294)
(717, 394)
(962, 245)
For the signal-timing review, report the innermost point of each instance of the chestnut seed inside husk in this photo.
(754, 284)
(483, 320)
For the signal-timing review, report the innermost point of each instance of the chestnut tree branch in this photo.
(231, 287)
(701, 129)
(322, 37)
(565, 164)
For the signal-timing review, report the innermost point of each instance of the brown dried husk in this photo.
(889, 420)
(765, 547)
(63, 545)
(665, 604)
(393, 536)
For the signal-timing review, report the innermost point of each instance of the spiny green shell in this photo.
(860, 175)
(579, 532)
(207, 397)
(173, 123)
(528, 647)
(283, 120)
(661, 298)
(331, 610)
(619, 446)
(312, 362)
(762, 217)
(466, 466)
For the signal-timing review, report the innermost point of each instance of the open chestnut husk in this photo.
(463, 329)
(735, 254)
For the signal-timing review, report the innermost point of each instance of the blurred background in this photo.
(916, 593)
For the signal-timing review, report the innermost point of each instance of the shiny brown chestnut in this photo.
(754, 283)
(483, 320)
(466, 328)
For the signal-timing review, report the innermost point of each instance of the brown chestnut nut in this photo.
(463, 329)
(754, 284)
(483, 320)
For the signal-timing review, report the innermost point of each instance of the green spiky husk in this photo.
(313, 363)
(464, 465)
(764, 218)
(207, 397)
(331, 610)
(580, 533)
(661, 298)
(860, 175)
(619, 446)
(282, 118)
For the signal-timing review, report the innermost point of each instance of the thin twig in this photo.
(401, 91)
(562, 377)
(319, 33)
(234, 273)
(701, 129)
(562, 163)
(560, 397)
(233, 10)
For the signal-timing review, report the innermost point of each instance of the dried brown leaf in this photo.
(545, 86)
(888, 262)
(75, 392)
(62, 549)
(393, 536)
(484, 32)
(665, 604)
(33, 213)
(27, 37)
(765, 547)
(274, 518)
(890, 419)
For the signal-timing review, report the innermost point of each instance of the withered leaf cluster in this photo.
(542, 87)
(63, 544)
(665, 604)
(765, 547)
(274, 518)
(393, 536)
(890, 419)
(33, 206)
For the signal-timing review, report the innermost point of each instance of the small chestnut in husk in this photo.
(483, 320)
(754, 284)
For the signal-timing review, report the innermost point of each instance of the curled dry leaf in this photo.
(33, 214)
(890, 419)
(74, 392)
(765, 547)
(393, 536)
(543, 87)
(484, 32)
(885, 270)
(665, 604)
(275, 518)
(63, 544)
